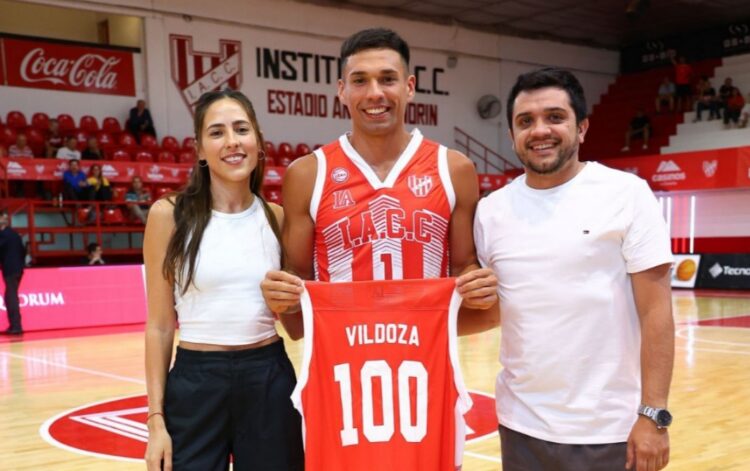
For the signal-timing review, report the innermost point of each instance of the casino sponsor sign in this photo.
(57, 66)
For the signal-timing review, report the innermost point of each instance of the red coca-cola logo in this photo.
(116, 429)
(89, 70)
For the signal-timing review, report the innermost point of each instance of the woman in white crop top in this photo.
(206, 250)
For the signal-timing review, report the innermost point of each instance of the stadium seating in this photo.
(144, 156)
(121, 155)
(40, 121)
(111, 125)
(170, 143)
(88, 124)
(166, 156)
(16, 120)
(148, 141)
(67, 125)
(301, 149)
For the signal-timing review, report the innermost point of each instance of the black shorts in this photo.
(524, 453)
(234, 403)
(683, 90)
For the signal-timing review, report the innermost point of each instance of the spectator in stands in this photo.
(20, 148)
(640, 128)
(53, 140)
(666, 95)
(70, 151)
(140, 121)
(683, 75)
(707, 100)
(75, 186)
(745, 113)
(725, 91)
(138, 194)
(733, 110)
(12, 261)
(94, 254)
(99, 189)
(92, 151)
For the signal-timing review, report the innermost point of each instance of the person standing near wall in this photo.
(12, 258)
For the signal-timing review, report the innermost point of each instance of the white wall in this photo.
(487, 63)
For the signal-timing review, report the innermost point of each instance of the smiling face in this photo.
(545, 135)
(376, 88)
(228, 142)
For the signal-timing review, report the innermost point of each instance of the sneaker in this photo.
(625, 149)
(10, 331)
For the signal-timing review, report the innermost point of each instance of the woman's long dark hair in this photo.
(192, 205)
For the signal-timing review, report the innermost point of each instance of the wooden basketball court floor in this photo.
(44, 378)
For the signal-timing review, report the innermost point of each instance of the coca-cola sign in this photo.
(39, 64)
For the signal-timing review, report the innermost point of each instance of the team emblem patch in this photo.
(197, 72)
(116, 429)
(342, 199)
(339, 175)
(420, 185)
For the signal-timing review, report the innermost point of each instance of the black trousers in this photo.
(524, 453)
(12, 283)
(235, 403)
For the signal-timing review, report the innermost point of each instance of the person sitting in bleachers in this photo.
(138, 194)
(725, 92)
(733, 110)
(53, 140)
(139, 121)
(94, 254)
(69, 151)
(707, 100)
(75, 186)
(98, 184)
(640, 127)
(666, 95)
(92, 150)
(20, 148)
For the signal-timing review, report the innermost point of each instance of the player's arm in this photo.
(282, 289)
(648, 447)
(160, 329)
(478, 286)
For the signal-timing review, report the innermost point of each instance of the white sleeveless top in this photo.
(224, 304)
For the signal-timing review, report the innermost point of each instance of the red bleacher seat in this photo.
(121, 155)
(82, 137)
(67, 125)
(113, 216)
(148, 141)
(8, 136)
(40, 121)
(317, 146)
(269, 161)
(16, 120)
(111, 125)
(35, 139)
(274, 196)
(170, 143)
(88, 123)
(270, 150)
(301, 149)
(127, 139)
(161, 190)
(285, 154)
(187, 157)
(104, 139)
(188, 143)
(118, 192)
(166, 157)
(144, 156)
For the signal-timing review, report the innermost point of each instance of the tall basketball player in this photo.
(380, 202)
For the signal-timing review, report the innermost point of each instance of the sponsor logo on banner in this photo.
(41, 299)
(710, 167)
(685, 271)
(668, 173)
(89, 69)
(116, 428)
(15, 169)
(339, 175)
(272, 176)
(197, 72)
(109, 171)
(39, 169)
(154, 173)
(718, 270)
(725, 271)
(420, 186)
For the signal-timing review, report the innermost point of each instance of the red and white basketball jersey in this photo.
(380, 386)
(368, 229)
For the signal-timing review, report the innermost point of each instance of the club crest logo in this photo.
(197, 72)
(420, 186)
(710, 167)
(339, 175)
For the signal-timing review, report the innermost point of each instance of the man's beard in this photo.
(563, 156)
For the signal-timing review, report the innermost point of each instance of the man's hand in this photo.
(282, 291)
(648, 447)
(478, 288)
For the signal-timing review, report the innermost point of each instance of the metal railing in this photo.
(478, 152)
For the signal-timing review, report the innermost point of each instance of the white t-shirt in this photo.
(67, 154)
(570, 336)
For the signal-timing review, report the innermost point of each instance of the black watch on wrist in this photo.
(661, 417)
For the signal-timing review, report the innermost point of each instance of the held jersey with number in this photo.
(368, 229)
(380, 386)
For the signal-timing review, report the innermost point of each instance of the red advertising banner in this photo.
(491, 182)
(55, 66)
(700, 170)
(116, 172)
(72, 297)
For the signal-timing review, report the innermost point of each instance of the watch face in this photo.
(663, 418)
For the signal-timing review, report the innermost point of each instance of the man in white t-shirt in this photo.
(69, 150)
(583, 260)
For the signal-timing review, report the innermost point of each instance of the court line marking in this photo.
(681, 334)
(482, 457)
(74, 368)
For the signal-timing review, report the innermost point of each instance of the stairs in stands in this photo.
(610, 118)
